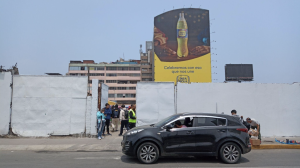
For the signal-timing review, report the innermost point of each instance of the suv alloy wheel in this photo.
(230, 153)
(147, 153)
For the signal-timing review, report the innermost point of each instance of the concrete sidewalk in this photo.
(109, 143)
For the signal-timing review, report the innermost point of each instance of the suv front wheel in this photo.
(230, 153)
(147, 153)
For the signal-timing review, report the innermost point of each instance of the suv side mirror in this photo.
(168, 127)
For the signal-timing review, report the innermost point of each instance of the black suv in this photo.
(204, 134)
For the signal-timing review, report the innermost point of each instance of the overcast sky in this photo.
(43, 36)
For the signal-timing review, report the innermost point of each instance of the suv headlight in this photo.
(134, 131)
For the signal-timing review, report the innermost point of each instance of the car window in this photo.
(233, 123)
(210, 121)
(186, 122)
(221, 122)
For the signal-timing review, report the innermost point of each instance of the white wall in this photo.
(154, 101)
(275, 106)
(5, 97)
(49, 105)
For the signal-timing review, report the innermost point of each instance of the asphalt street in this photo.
(31, 159)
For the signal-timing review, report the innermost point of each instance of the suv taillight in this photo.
(242, 129)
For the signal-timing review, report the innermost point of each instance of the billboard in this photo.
(182, 46)
(239, 72)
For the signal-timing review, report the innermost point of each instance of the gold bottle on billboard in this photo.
(182, 36)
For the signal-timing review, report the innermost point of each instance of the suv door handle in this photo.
(190, 132)
(222, 130)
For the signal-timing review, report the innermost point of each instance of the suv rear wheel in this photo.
(230, 153)
(147, 153)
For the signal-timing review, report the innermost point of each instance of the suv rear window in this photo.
(209, 121)
(232, 122)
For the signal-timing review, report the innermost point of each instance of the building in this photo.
(147, 62)
(121, 77)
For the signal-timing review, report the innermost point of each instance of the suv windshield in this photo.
(166, 120)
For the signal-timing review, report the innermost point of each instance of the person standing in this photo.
(115, 117)
(132, 117)
(123, 119)
(108, 113)
(101, 122)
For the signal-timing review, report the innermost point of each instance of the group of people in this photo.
(126, 118)
(249, 123)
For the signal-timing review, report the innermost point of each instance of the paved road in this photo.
(30, 159)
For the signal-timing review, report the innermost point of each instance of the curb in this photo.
(271, 146)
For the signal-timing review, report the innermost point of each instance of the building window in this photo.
(111, 81)
(134, 68)
(74, 68)
(133, 82)
(82, 74)
(123, 68)
(91, 68)
(129, 74)
(122, 82)
(146, 79)
(146, 74)
(129, 95)
(132, 88)
(146, 60)
(111, 74)
(112, 88)
(96, 74)
(111, 95)
(73, 74)
(99, 68)
(135, 74)
(121, 88)
(145, 64)
(120, 95)
(83, 68)
(111, 68)
(90, 81)
(144, 69)
(101, 81)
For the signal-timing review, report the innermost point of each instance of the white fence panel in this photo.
(155, 101)
(49, 105)
(5, 98)
(275, 106)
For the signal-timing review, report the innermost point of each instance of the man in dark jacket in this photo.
(108, 113)
(115, 117)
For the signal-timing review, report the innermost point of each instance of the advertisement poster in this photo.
(182, 46)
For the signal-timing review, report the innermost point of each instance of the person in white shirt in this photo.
(123, 118)
(254, 124)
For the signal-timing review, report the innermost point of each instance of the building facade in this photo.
(121, 77)
(147, 63)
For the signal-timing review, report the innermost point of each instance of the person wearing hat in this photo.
(115, 117)
(108, 113)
